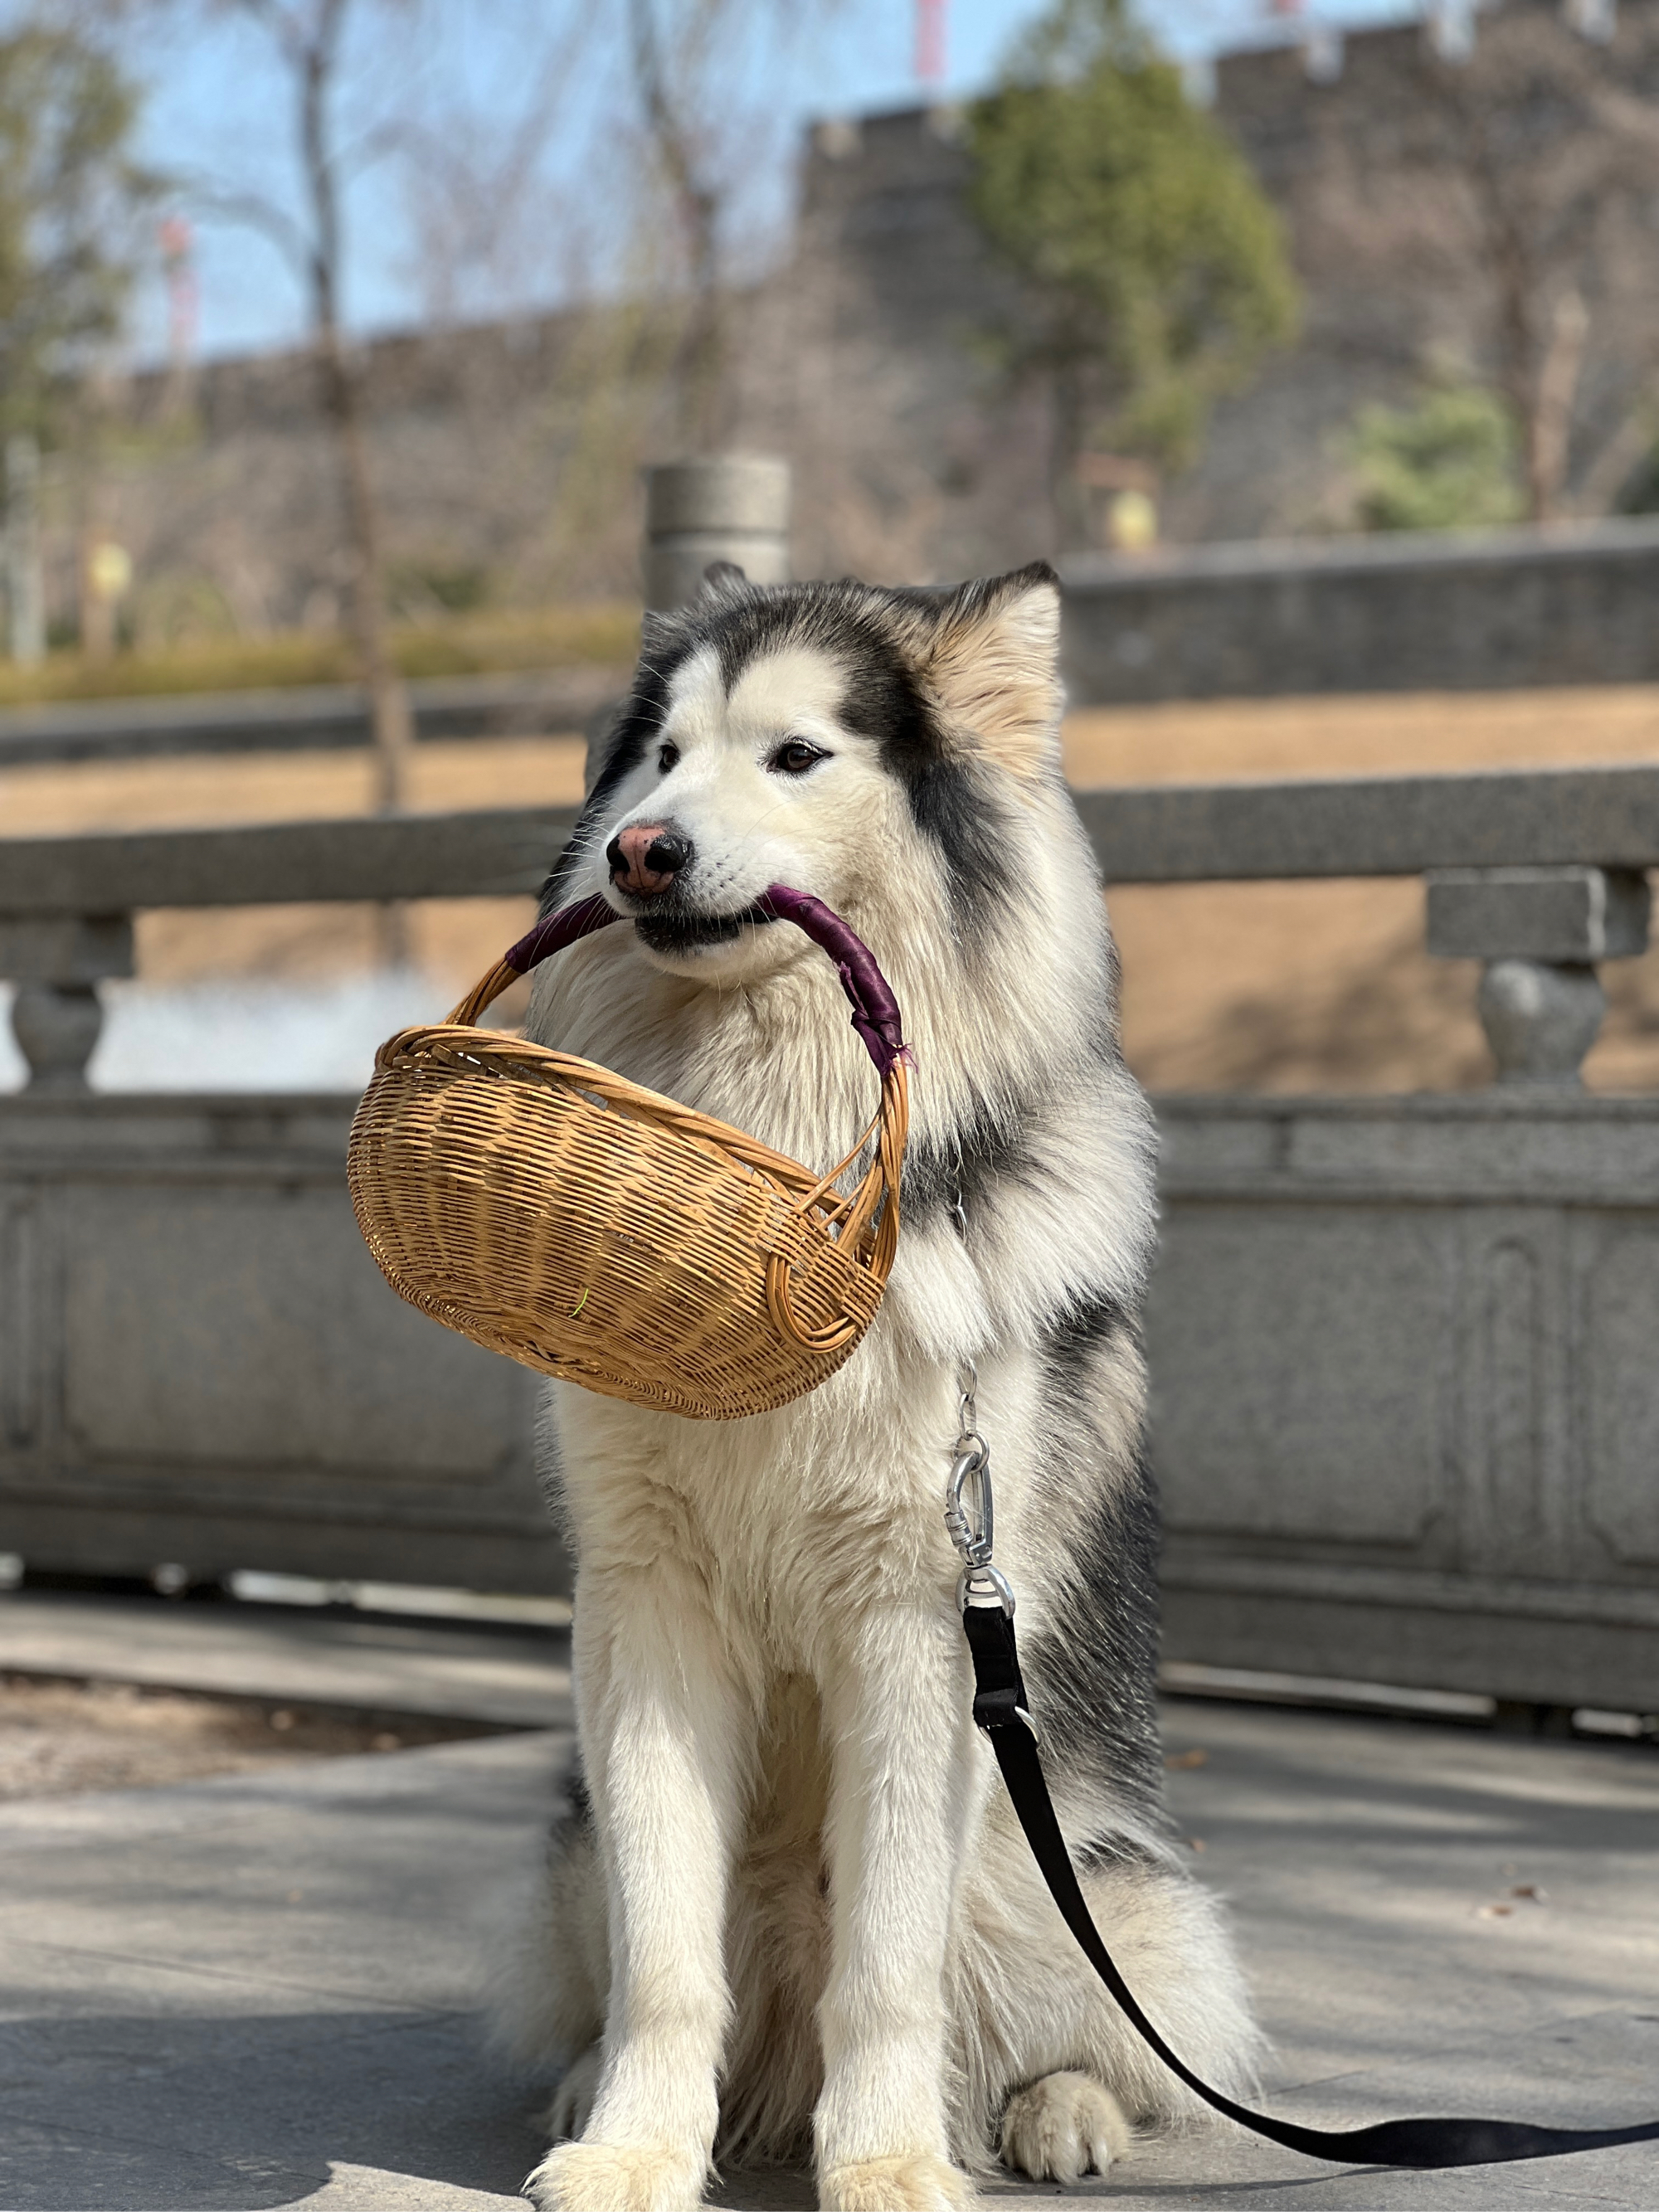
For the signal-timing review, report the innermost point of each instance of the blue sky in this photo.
(451, 81)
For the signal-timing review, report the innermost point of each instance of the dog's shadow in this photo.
(245, 2113)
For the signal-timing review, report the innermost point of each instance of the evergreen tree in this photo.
(1156, 273)
(68, 190)
(1449, 463)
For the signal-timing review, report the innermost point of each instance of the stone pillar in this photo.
(57, 966)
(1541, 933)
(733, 508)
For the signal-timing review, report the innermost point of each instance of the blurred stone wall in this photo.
(507, 456)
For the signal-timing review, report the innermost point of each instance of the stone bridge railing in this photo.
(1403, 1349)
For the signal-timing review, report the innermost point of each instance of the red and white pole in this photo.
(930, 43)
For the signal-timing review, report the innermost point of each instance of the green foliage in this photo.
(1451, 462)
(1157, 267)
(68, 193)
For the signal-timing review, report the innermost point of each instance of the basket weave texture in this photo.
(596, 1231)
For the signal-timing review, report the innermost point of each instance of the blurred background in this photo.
(335, 336)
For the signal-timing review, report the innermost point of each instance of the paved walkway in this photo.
(258, 1991)
(519, 1677)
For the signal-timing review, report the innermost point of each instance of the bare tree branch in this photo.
(308, 39)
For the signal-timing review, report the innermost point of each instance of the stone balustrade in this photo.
(1406, 1406)
(1539, 875)
(1396, 611)
(66, 904)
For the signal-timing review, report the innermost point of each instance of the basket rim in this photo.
(460, 1048)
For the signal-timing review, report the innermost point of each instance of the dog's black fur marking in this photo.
(1098, 1631)
(966, 1162)
(883, 702)
(578, 1797)
(1071, 1337)
(1092, 1663)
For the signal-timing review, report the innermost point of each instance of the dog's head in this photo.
(867, 745)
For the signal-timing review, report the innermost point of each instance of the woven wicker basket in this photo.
(595, 1230)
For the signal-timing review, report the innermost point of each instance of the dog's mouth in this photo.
(669, 932)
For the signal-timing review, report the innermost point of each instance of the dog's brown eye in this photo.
(795, 758)
(668, 756)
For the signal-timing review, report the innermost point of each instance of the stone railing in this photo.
(67, 903)
(1442, 610)
(310, 718)
(1540, 875)
(1407, 1405)
(199, 1365)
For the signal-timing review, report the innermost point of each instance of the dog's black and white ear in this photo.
(659, 633)
(992, 663)
(722, 579)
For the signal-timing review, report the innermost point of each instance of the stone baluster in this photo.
(57, 965)
(1541, 933)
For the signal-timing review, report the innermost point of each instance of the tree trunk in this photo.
(702, 347)
(391, 723)
(1549, 424)
(390, 719)
(1067, 499)
(700, 357)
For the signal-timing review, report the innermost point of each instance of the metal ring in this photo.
(984, 1588)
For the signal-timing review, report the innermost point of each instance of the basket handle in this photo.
(551, 934)
(875, 1009)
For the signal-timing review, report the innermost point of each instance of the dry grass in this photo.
(1302, 987)
(60, 1737)
(1217, 741)
(1275, 987)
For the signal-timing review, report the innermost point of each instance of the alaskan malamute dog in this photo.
(791, 1906)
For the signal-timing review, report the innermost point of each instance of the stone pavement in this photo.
(258, 1991)
(516, 1676)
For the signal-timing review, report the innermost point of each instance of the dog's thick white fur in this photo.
(791, 1905)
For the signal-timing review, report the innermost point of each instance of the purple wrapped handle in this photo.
(557, 930)
(875, 1009)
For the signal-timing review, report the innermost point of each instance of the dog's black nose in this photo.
(645, 858)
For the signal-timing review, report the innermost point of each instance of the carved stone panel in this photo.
(1302, 1364)
(247, 1327)
(1517, 1508)
(22, 1318)
(1620, 1383)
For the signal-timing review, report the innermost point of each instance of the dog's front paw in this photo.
(896, 2184)
(1062, 2127)
(584, 2177)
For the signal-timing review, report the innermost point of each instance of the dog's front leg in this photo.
(905, 1776)
(661, 1734)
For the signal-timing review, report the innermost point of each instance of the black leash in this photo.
(1003, 1710)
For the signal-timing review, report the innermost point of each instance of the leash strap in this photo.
(1002, 1710)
